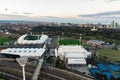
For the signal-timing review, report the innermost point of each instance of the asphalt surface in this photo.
(48, 73)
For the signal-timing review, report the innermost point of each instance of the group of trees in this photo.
(108, 35)
(68, 31)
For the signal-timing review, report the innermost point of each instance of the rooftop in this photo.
(73, 51)
(32, 39)
(24, 51)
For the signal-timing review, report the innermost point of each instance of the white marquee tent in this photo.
(74, 54)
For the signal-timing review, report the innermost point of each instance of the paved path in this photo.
(37, 70)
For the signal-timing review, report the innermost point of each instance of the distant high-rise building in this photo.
(116, 25)
(113, 24)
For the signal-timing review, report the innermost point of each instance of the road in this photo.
(67, 75)
(48, 73)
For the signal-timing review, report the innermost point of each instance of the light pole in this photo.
(42, 33)
(58, 40)
(62, 35)
(22, 62)
(80, 39)
(23, 69)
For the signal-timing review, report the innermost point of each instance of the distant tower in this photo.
(116, 25)
(113, 24)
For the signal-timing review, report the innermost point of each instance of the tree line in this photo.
(109, 35)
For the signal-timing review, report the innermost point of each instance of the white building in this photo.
(95, 42)
(40, 40)
(30, 52)
(72, 54)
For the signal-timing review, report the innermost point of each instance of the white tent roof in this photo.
(75, 55)
(24, 51)
(73, 51)
(70, 48)
(76, 61)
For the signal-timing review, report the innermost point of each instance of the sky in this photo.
(74, 11)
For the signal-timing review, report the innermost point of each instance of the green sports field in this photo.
(4, 39)
(110, 54)
(69, 42)
(31, 37)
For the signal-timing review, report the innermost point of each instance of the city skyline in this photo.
(75, 11)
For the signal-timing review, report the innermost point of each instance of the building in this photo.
(27, 45)
(32, 39)
(94, 29)
(95, 42)
(72, 54)
(18, 52)
(114, 25)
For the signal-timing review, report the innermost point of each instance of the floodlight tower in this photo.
(62, 35)
(22, 62)
(58, 39)
(42, 33)
(80, 39)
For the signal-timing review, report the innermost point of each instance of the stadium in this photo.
(32, 39)
(27, 45)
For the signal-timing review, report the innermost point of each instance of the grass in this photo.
(69, 42)
(110, 54)
(31, 37)
(4, 39)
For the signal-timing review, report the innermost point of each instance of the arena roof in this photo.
(41, 40)
(24, 51)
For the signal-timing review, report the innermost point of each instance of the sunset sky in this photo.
(76, 11)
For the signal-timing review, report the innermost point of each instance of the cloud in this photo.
(15, 12)
(111, 0)
(59, 19)
(103, 14)
(27, 13)
(104, 17)
(13, 17)
(41, 18)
